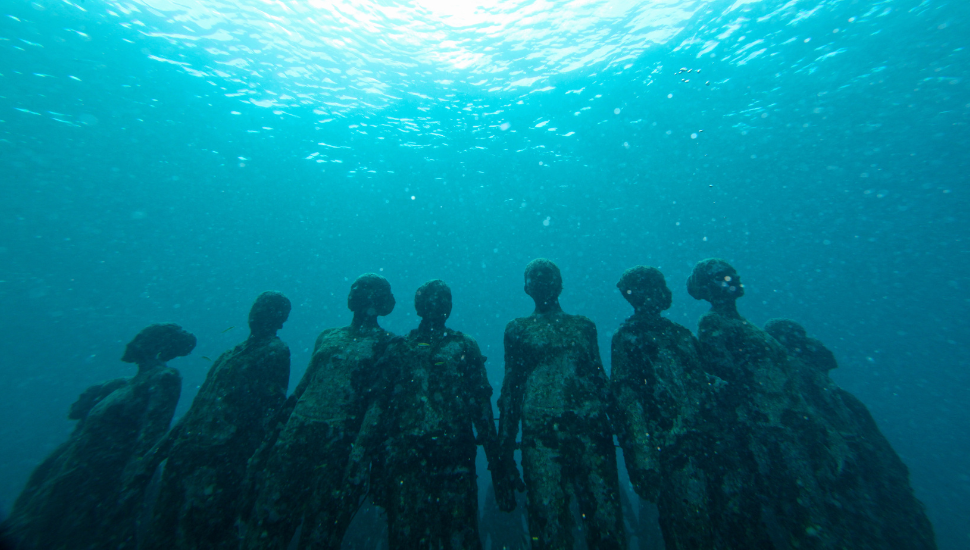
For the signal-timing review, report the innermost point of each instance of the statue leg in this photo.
(550, 524)
(286, 487)
(598, 491)
(335, 500)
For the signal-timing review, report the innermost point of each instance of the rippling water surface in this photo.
(168, 160)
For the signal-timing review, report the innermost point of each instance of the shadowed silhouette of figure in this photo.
(81, 495)
(556, 387)
(871, 502)
(299, 474)
(662, 416)
(767, 486)
(434, 391)
(208, 449)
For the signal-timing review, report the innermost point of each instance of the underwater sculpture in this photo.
(300, 473)
(662, 412)
(79, 496)
(767, 485)
(871, 501)
(208, 449)
(556, 386)
(434, 391)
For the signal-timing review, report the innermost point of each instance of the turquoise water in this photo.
(169, 160)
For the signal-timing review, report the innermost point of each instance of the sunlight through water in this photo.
(339, 56)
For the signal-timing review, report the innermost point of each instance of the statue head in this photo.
(645, 288)
(714, 280)
(796, 341)
(432, 301)
(543, 281)
(370, 295)
(788, 333)
(269, 312)
(162, 342)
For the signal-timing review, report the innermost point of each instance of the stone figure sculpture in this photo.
(208, 449)
(435, 391)
(300, 473)
(871, 501)
(663, 416)
(556, 387)
(81, 495)
(766, 486)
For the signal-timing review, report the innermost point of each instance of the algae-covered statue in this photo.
(435, 391)
(299, 475)
(873, 505)
(662, 415)
(767, 486)
(80, 497)
(556, 387)
(209, 447)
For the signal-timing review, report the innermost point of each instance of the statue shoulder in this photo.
(166, 375)
(675, 329)
(583, 322)
(517, 327)
(469, 343)
(327, 335)
(278, 346)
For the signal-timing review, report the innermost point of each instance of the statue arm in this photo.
(257, 463)
(307, 377)
(510, 400)
(164, 397)
(316, 361)
(372, 430)
(479, 393)
(505, 474)
(92, 396)
(271, 382)
(597, 361)
(628, 385)
(153, 444)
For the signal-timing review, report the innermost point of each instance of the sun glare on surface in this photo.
(346, 54)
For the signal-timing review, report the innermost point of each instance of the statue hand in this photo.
(506, 481)
(357, 471)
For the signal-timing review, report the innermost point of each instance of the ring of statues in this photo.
(737, 434)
